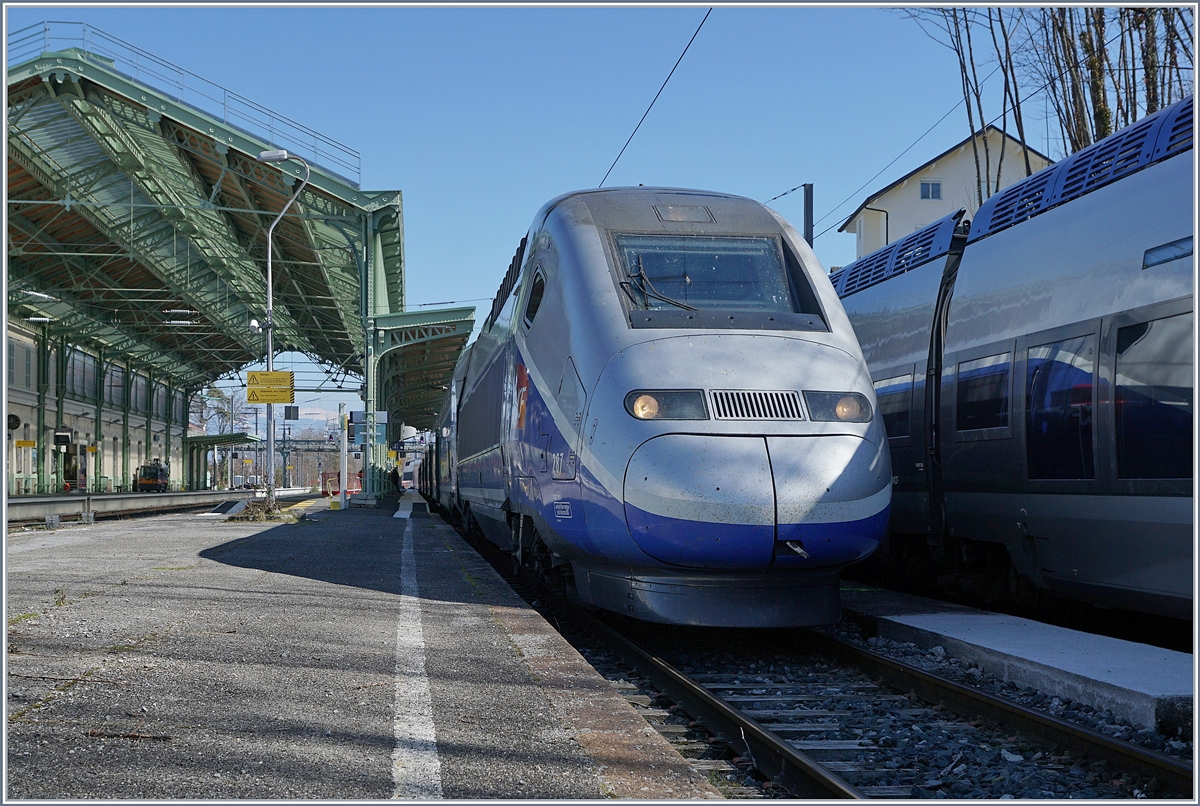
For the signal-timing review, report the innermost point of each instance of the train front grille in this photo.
(745, 405)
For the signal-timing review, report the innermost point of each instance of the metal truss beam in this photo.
(208, 295)
(69, 317)
(157, 172)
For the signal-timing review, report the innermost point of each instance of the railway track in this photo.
(834, 720)
(822, 718)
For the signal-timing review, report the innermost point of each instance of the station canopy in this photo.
(138, 218)
(221, 440)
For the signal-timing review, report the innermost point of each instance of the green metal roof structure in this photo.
(416, 354)
(137, 220)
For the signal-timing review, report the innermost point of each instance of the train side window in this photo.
(1154, 393)
(982, 396)
(895, 402)
(1167, 252)
(805, 295)
(535, 298)
(1058, 409)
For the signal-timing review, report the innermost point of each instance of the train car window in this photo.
(705, 273)
(1154, 391)
(535, 298)
(982, 399)
(1058, 409)
(1167, 252)
(806, 297)
(895, 403)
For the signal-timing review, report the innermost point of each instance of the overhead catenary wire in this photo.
(451, 302)
(651, 106)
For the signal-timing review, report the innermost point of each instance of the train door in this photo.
(932, 388)
(978, 452)
(896, 392)
(452, 447)
(1055, 403)
(565, 442)
(1146, 420)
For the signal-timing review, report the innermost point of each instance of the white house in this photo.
(938, 188)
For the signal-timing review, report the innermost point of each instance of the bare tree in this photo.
(1088, 69)
(1012, 86)
(952, 28)
(1092, 40)
(1100, 68)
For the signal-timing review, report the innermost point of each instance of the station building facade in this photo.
(118, 417)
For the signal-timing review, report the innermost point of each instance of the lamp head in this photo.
(255, 327)
(273, 156)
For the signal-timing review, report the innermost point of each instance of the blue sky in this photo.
(480, 115)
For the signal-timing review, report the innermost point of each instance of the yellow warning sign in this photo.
(269, 394)
(270, 379)
(26, 443)
(92, 449)
(247, 461)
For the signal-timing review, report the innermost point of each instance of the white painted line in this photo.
(404, 510)
(416, 772)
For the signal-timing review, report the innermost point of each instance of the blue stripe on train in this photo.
(697, 544)
(831, 543)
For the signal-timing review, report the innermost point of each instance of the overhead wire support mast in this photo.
(651, 106)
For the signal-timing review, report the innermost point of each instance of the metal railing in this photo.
(187, 88)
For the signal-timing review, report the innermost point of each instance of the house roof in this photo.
(947, 152)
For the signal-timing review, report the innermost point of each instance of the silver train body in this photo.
(667, 412)
(1054, 453)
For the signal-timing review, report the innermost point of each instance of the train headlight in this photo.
(667, 405)
(644, 407)
(844, 407)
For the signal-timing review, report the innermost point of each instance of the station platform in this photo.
(494, 702)
(1149, 686)
(77, 505)
(344, 655)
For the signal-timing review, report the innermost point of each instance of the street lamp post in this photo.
(275, 156)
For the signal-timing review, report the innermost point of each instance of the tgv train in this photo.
(1052, 453)
(667, 412)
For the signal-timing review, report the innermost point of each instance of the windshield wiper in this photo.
(650, 292)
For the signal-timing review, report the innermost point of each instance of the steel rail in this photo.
(1175, 776)
(807, 778)
(770, 754)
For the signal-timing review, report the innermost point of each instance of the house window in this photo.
(931, 191)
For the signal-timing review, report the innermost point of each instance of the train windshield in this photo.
(705, 273)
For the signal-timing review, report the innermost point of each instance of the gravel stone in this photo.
(937, 662)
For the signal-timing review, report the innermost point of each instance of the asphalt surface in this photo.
(188, 657)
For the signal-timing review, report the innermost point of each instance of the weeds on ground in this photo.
(259, 511)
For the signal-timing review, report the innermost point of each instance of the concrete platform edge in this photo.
(605, 726)
(1165, 705)
(1164, 714)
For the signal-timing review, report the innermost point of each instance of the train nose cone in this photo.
(702, 501)
(833, 494)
